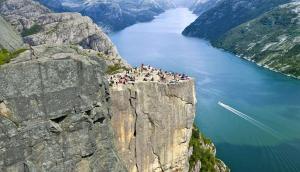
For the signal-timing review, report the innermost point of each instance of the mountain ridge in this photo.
(226, 15)
(113, 15)
(272, 40)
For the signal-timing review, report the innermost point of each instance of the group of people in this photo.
(146, 73)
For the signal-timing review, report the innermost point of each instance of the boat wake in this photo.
(251, 120)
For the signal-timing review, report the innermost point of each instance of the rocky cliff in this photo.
(153, 125)
(54, 113)
(58, 113)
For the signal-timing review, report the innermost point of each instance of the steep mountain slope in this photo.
(271, 40)
(228, 14)
(112, 15)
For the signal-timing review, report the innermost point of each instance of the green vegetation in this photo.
(203, 152)
(113, 69)
(6, 56)
(269, 40)
(31, 31)
(200, 153)
(228, 14)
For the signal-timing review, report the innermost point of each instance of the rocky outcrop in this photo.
(42, 27)
(9, 39)
(153, 124)
(54, 113)
(21, 13)
(71, 28)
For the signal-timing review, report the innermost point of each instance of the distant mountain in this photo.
(228, 14)
(184, 3)
(112, 15)
(201, 6)
(271, 40)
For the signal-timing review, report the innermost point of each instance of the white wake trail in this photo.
(251, 120)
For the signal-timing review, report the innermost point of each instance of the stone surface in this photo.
(71, 28)
(153, 124)
(20, 13)
(9, 38)
(54, 113)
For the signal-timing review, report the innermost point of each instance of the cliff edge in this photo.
(54, 113)
(153, 124)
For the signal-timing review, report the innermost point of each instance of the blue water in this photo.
(267, 97)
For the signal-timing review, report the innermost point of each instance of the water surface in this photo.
(269, 98)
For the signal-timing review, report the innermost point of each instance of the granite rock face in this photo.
(54, 113)
(9, 38)
(153, 123)
(71, 28)
(21, 13)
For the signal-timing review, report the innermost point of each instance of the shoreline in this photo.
(245, 58)
(267, 67)
(254, 62)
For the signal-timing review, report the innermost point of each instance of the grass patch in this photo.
(6, 56)
(32, 30)
(113, 69)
